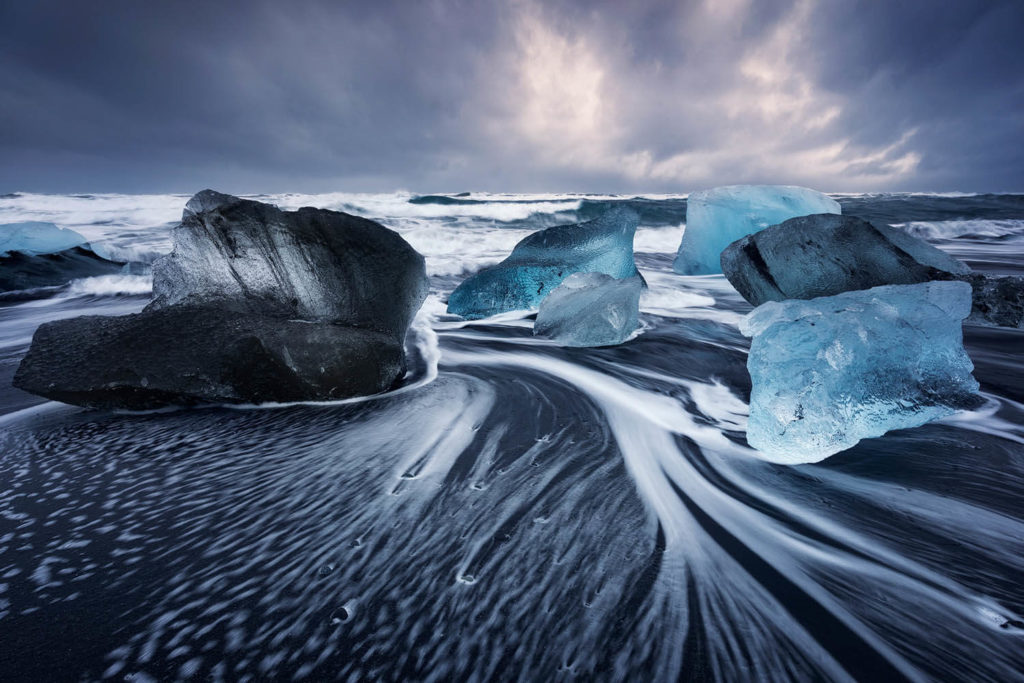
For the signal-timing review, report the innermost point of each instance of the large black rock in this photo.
(255, 304)
(827, 254)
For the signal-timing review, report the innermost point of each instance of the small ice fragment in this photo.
(591, 309)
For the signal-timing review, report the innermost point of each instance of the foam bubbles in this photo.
(111, 285)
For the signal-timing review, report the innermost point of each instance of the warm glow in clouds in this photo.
(562, 108)
(576, 91)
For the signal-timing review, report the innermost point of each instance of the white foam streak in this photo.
(947, 230)
(675, 296)
(658, 240)
(111, 285)
(643, 424)
(984, 419)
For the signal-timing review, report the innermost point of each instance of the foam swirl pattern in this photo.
(517, 511)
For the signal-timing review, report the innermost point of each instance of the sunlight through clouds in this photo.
(576, 93)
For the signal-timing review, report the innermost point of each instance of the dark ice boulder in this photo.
(184, 355)
(254, 304)
(590, 309)
(826, 254)
(310, 264)
(540, 262)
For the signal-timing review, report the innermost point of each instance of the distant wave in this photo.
(944, 230)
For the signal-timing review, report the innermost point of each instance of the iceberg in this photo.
(717, 217)
(826, 254)
(590, 309)
(831, 371)
(539, 263)
(36, 254)
(35, 237)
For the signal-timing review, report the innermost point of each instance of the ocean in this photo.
(516, 510)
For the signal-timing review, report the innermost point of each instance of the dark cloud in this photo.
(445, 95)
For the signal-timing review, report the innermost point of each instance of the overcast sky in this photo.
(447, 95)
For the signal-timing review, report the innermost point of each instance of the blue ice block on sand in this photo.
(591, 309)
(717, 217)
(831, 371)
(540, 262)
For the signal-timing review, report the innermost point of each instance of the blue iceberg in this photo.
(40, 255)
(831, 371)
(717, 217)
(540, 262)
(590, 309)
(34, 237)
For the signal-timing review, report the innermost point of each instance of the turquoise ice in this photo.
(715, 218)
(590, 309)
(540, 262)
(35, 237)
(831, 371)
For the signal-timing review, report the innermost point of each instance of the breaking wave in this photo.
(971, 229)
(111, 285)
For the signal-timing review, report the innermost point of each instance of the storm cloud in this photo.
(518, 96)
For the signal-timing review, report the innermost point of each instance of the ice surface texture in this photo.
(34, 237)
(540, 262)
(717, 217)
(310, 264)
(826, 254)
(590, 309)
(831, 371)
(255, 304)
